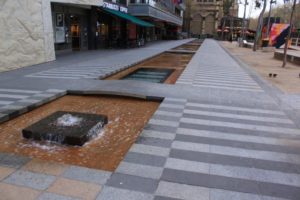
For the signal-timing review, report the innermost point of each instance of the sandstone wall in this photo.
(26, 33)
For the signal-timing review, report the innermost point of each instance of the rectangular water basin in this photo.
(154, 75)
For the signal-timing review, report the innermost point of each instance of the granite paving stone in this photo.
(53, 196)
(29, 179)
(111, 193)
(87, 175)
(135, 183)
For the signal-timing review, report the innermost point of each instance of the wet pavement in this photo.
(220, 133)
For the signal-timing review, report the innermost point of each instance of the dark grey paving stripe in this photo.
(145, 159)
(165, 198)
(227, 119)
(167, 118)
(238, 131)
(130, 182)
(160, 128)
(154, 141)
(171, 109)
(234, 112)
(232, 184)
(235, 161)
(238, 144)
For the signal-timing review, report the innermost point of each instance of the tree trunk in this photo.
(259, 26)
(289, 35)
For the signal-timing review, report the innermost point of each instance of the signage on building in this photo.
(114, 6)
(60, 28)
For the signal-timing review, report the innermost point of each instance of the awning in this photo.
(128, 17)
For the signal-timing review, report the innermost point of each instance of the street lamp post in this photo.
(244, 20)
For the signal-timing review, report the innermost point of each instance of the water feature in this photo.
(66, 128)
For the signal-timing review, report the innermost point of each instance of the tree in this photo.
(289, 34)
(259, 25)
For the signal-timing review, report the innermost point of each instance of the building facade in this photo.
(34, 31)
(166, 16)
(204, 16)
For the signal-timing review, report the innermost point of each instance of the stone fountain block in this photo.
(77, 134)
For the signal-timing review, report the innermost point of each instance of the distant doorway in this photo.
(75, 33)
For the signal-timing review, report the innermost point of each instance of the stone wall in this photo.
(26, 33)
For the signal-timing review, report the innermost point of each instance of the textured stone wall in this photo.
(26, 33)
(21, 33)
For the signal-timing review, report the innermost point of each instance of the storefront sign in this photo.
(60, 28)
(116, 7)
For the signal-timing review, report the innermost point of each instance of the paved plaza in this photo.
(221, 132)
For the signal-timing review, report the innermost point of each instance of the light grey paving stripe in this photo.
(238, 137)
(186, 165)
(131, 182)
(208, 157)
(256, 174)
(234, 151)
(175, 99)
(238, 144)
(25, 178)
(247, 173)
(253, 110)
(87, 175)
(13, 96)
(166, 113)
(219, 74)
(217, 194)
(54, 77)
(182, 191)
(233, 84)
(158, 134)
(239, 131)
(227, 88)
(152, 150)
(190, 146)
(112, 193)
(175, 110)
(241, 121)
(5, 102)
(63, 74)
(232, 184)
(226, 83)
(163, 122)
(226, 80)
(235, 112)
(241, 126)
(19, 91)
(239, 116)
(165, 105)
(264, 155)
(139, 170)
(145, 159)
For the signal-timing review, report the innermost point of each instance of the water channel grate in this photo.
(154, 75)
